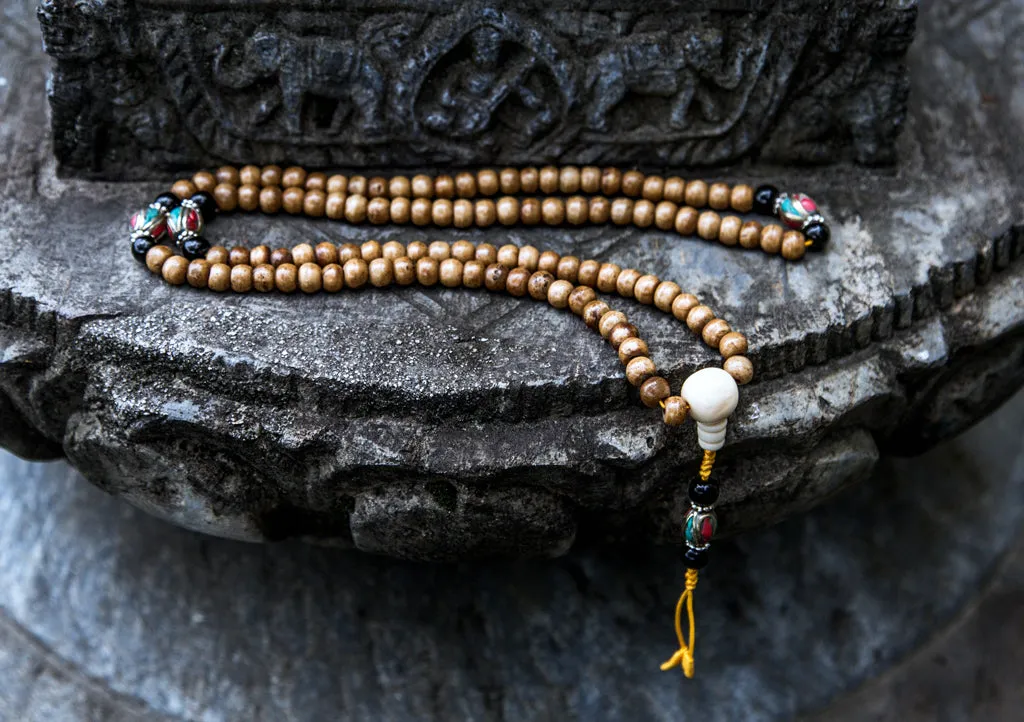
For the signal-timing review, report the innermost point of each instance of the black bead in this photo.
(195, 247)
(764, 200)
(703, 493)
(141, 246)
(818, 234)
(695, 558)
(206, 204)
(168, 200)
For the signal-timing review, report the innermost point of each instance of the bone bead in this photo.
(712, 395)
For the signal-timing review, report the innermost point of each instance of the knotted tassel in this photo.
(684, 656)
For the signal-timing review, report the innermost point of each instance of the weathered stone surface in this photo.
(265, 417)
(106, 614)
(141, 87)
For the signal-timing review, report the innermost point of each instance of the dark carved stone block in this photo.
(140, 86)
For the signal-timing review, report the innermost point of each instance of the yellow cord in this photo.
(684, 655)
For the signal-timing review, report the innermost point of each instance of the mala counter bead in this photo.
(740, 368)
(712, 395)
(631, 348)
(639, 369)
(653, 391)
(676, 410)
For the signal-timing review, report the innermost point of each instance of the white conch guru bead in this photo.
(712, 394)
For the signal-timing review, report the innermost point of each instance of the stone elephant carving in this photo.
(340, 74)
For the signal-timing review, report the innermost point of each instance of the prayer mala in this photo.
(168, 237)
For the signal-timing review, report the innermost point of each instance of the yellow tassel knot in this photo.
(684, 656)
(706, 464)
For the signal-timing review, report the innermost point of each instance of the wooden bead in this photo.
(714, 331)
(325, 253)
(559, 292)
(654, 390)
(674, 190)
(355, 209)
(548, 261)
(357, 273)
(487, 182)
(632, 183)
(682, 305)
(729, 230)
(417, 250)
(622, 211)
(590, 179)
(552, 210)
(676, 409)
(249, 175)
(611, 181)
(198, 273)
(639, 369)
(698, 317)
(508, 180)
(643, 290)
(228, 175)
(286, 277)
(183, 189)
(495, 276)
(686, 221)
(405, 271)
(643, 213)
(369, 250)
(653, 188)
(292, 199)
(314, 203)
(175, 270)
(441, 213)
(507, 210)
(392, 250)
(484, 213)
(335, 206)
(568, 269)
(665, 215)
(577, 210)
(465, 185)
(399, 187)
(220, 277)
(317, 182)
(741, 198)
(665, 294)
(529, 180)
(348, 251)
(473, 274)
(609, 321)
(529, 258)
(631, 348)
(421, 211)
(696, 194)
(270, 175)
(718, 196)
(599, 209)
(333, 278)
(708, 225)
(587, 275)
(626, 282)
(378, 211)
(377, 187)
(381, 272)
(238, 255)
(569, 180)
(450, 272)
(793, 245)
(337, 184)
(401, 211)
(750, 234)
(518, 281)
(508, 255)
(463, 250)
(732, 344)
(293, 177)
(427, 271)
(549, 179)
(607, 277)
(241, 277)
(303, 253)
(422, 186)
(593, 312)
(357, 186)
(156, 256)
(462, 213)
(263, 277)
(620, 333)
(530, 211)
(740, 368)
(487, 254)
(249, 197)
(219, 254)
(580, 297)
(226, 197)
(771, 238)
(439, 250)
(444, 186)
(260, 255)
